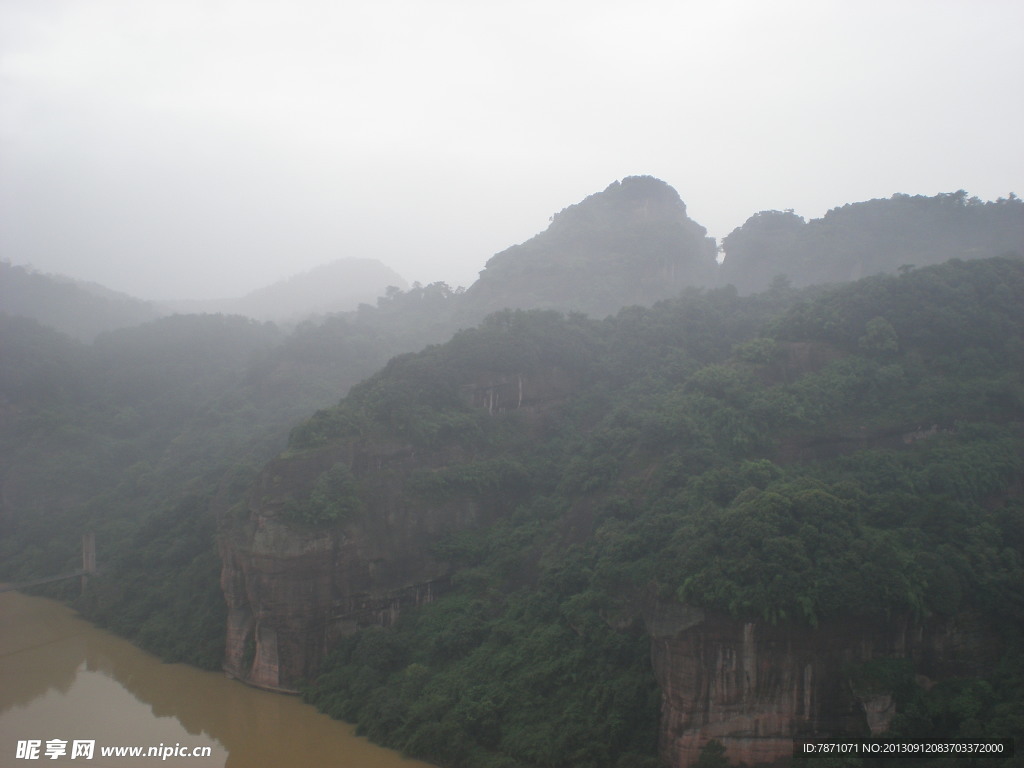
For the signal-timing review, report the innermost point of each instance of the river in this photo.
(62, 680)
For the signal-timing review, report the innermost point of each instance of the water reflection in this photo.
(62, 678)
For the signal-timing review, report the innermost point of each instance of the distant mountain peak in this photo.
(632, 243)
(338, 286)
(645, 187)
(633, 200)
(75, 307)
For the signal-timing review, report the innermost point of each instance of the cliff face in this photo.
(477, 415)
(292, 591)
(756, 687)
(633, 243)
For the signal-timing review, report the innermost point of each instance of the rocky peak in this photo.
(635, 199)
(633, 243)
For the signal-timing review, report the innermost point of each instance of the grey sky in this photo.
(200, 148)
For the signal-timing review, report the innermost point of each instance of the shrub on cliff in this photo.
(332, 499)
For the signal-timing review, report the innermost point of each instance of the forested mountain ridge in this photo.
(861, 239)
(552, 516)
(339, 286)
(139, 437)
(85, 310)
(632, 243)
(646, 443)
(81, 310)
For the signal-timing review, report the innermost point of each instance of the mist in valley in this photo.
(515, 384)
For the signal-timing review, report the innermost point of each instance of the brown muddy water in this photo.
(62, 679)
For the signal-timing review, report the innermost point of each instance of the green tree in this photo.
(879, 338)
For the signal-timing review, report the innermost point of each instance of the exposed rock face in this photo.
(633, 243)
(293, 591)
(756, 687)
(497, 393)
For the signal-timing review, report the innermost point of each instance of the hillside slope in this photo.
(871, 237)
(555, 501)
(81, 310)
(340, 286)
(554, 519)
(633, 243)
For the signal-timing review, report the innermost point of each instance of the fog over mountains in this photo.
(632, 243)
(543, 495)
(84, 310)
(335, 287)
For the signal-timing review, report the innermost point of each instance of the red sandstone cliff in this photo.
(752, 686)
(292, 591)
(755, 687)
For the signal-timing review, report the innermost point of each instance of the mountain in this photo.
(861, 239)
(560, 541)
(85, 310)
(633, 243)
(525, 538)
(339, 286)
(79, 309)
(141, 437)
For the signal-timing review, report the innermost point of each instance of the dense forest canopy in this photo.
(141, 436)
(862, 239)
(803, 455)
(785, 458)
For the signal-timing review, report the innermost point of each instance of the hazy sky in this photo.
(201, 148)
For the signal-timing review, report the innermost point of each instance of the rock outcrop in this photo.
(292, 591)
(756, 687)
(633, 243)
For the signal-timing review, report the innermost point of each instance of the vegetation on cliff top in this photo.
(785, 457)
(792, 456)
(143, 437)
(862, 239)
(633, 243)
